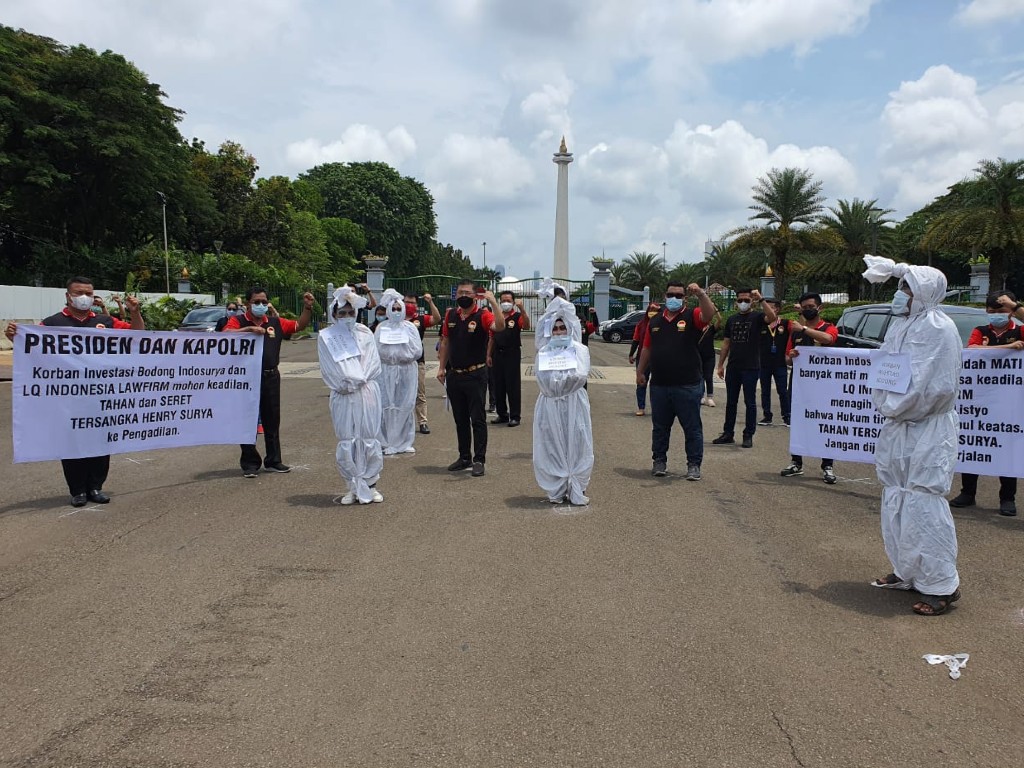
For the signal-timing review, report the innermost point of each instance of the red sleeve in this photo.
(232, 323)
(591, 328)
(698, 319)
(487, 318)
(647, 336)
(789, 342)
(428, 321)
(288, 327)
(640, 330)
(444, 324)
(976, 337)
(121, 325)
(832, 331)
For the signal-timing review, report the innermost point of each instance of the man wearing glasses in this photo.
(274, 330)
(671, 354)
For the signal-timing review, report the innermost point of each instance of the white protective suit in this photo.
(563, 442)
(917, 448)
(542, 329)
(399, 379)
(355, 401)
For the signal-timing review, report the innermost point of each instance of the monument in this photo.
(562, 158)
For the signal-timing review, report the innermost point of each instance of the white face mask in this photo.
(82, 303)
(561, 341)
(506, 306)
(396, 314)
(743, 306)
(347, 322)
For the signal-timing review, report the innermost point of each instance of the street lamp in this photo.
(485, 254)
(167, 257)
(874, 215)
(218, 244)
(664, 264)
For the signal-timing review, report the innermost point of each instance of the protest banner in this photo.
(92, 392)
(833, 415)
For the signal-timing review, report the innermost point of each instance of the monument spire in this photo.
(562, 158)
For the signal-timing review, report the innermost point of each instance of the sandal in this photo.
(892, 581)
(935, 605)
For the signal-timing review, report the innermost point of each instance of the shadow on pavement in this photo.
(218, 474)
(433, 470)
(858, 596)
(529, 502)
(36, 505)
(318, 501)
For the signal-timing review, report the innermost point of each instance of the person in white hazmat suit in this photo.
(549, 290)
(917, 448)
(350, 367)
(563, 442)
(399, 347)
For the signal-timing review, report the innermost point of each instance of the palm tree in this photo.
(732, 267)
(620, 274)
(852, 228)
(687, 273)
(788, 201)
(992, 220)
(644, 268)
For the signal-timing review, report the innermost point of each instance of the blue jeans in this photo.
(641, 390)
(667, 405)
(734, 381)
(781, 386)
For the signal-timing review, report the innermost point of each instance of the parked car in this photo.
(203, 319)
(622, 329)
(864, 327)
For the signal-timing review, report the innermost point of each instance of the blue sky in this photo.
(672, 108)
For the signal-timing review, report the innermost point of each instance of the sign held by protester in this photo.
(80, 392)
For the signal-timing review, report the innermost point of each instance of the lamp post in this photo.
(485, 253)
(218, 244)
(873, 215)
(664, 264)
(167, 257)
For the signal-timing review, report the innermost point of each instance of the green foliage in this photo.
(166, 314)
(643, 269)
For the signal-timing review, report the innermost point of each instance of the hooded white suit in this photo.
(563, 443)
(399, 380)
(355, 401)
(917, 448)
(542, 331)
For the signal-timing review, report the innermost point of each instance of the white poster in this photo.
(81, 392)
(832, 414)
(340, 342)
(549, 359)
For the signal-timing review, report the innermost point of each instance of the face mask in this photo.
(998, 319)
(396, 314)
(464, 302)
(743, 306)
(560, 342)
(809, 314)
(258, 310)
(506, 306)
(673, 304)
(347, 322)
(81, 303)
(900, 303)
(653, 313)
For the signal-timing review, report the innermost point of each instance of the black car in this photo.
(622, 329)
(864, 327)
(203, 319)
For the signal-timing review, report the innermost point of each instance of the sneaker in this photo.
(1007, 509)
(584, 500)
(723, 439)
(785, 422)
(279, 467)
(829, 476)
(765, 422)
(459, 464)
(693, 472)
(792, 469)
(704, 400)
(478, 469)
(250, 473)
(377, 497)
(659, 469)
(748, 441)
(963, 500)
(641, 412)
(424, 429)
(711, 402)
(348, 499)
(500, 420)
(513, 422)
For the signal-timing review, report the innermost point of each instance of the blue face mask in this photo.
(998, 319)
(258, 310)
(560, 342)
(900, 303)
(673, 304)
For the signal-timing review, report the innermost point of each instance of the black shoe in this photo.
(1007, 509)
(99, 497)
(765, 422)
(723, 439)
(963, 500)
(279, 467)
(459, 464)
(79, 500)
(478, 469)
(748, 441)
(424, 429)
(250, 473)
(500, 420)
(513, 422)
(659, 469)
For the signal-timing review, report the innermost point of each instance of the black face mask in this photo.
(809, 314)
(465, 302)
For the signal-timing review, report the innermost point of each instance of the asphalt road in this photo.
(202, 619)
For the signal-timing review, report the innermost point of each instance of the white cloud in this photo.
(358, 143)
(479, 172)
(627, 169)
(978, 12)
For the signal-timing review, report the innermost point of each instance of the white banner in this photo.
(92, 392)
(832, 414)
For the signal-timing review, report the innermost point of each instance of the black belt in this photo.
(270, 370)
(471, 368)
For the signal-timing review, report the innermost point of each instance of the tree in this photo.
(345, 242)
(788, 201)
(853, 229)
(395, 212)
(644, 269)
(730, 266)
(990, 221)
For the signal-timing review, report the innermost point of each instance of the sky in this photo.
(671, 108)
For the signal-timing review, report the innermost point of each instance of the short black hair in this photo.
(992, 300)
(773, 301)
(508, 293)
(466, 281)
(674, 284)
(744, 290)
(79, 279)
(807, 296)
(410, 295)
(253, 291)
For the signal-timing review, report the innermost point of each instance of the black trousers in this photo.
(1007, 486)
(84, 475)
(508, 383)
(466, 395)
(270, 415)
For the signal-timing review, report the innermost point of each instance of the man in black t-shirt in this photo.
(774, 340)
(742, 348)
